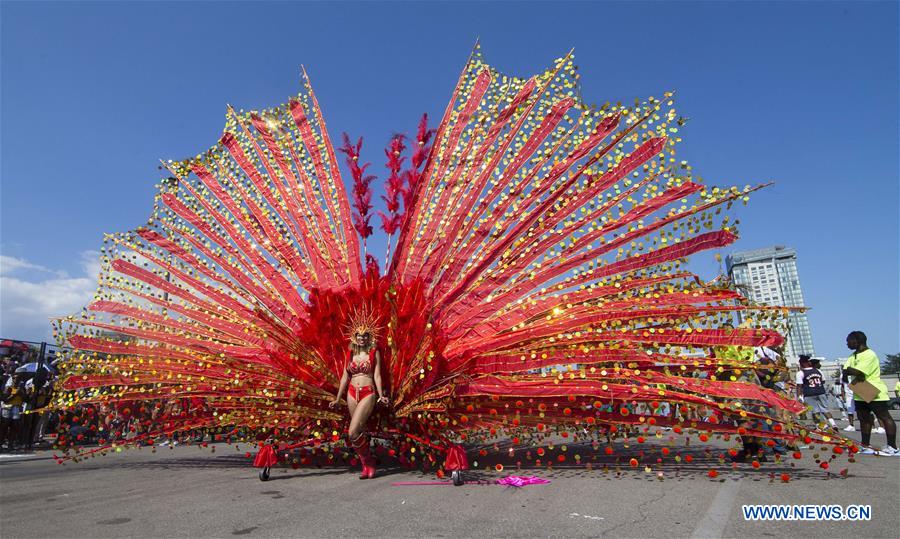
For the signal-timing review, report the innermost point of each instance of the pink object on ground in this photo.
(421, 484)
(519, 481)
(510, 481)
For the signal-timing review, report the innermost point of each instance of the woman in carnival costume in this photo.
(361, 382)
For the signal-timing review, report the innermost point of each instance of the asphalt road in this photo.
(192, 492)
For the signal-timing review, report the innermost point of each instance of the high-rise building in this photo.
(769, 276)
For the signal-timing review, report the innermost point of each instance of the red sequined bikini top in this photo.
(366, 366)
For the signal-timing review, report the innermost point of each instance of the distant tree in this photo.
(891, 364)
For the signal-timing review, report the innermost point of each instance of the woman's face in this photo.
(363, 339)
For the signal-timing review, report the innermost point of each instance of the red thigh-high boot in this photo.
(361, 445)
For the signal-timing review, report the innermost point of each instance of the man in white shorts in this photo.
(812, 392)
(848, 406)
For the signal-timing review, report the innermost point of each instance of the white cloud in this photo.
(31, 294)
(11, 264)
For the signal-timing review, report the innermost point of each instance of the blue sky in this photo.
(804, 94)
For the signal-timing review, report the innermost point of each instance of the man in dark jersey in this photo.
(811, 391)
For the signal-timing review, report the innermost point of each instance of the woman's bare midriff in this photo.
(362, 380)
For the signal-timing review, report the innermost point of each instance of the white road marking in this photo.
(585, 516)
(720, 510)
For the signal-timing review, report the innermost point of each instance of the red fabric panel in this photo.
(266, 457)
(444, 152)
(459, 217)
(324, 230)
(412, 218)
(708, 240)
(274, 277)
(207, 290)
(635, 159)
(135, 313)
(352, 247)
(190, 259)
(537, 136)
(287, 251)
(341, 212)
(323, 271)
(231, 329)
(519, 264)
(494, 321)
(456, 459)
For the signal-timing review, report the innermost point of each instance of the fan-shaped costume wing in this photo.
(209, 300)
(546, 232)
(538, 277)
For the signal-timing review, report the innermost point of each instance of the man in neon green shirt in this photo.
(863, 365)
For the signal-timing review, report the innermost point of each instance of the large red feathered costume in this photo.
(536, 232)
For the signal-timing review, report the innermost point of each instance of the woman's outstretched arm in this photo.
(382, 398)
(345, 380)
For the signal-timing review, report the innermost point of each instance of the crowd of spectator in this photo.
(29, 422)
(26, 379)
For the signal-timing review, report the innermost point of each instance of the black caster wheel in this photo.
(264, 473)
(457, 477)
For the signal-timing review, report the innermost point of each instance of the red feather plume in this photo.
(362, 190)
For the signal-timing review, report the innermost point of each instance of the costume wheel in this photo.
(457, 477)
(264, 473)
